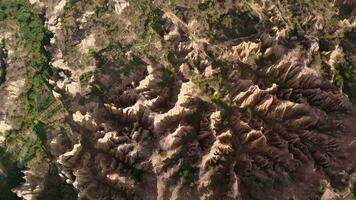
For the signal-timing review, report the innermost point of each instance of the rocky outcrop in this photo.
(231, 102)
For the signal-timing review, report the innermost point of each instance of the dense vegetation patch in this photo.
(35, 99)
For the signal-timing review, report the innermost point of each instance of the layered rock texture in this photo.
(209, 100)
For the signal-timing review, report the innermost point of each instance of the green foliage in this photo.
(137, 175)
(4, 156)
(2, 64)
(167, 75)
(62, 192)
(13, 179)
(151, 21)
(320, 191)
(343, 183)
(86, 77)
(170, 55)
(136, 61)
(216, 97)
(212, 184)
(208, 4)
(326, 71)
(2, 74)
(55, 188)
(353, 192)
(106, 45)
(98, 88)
(40, 132)
(99, 57)
(220, 80)
(31, 25)
(68, 193)
(36, 98)
(142, 5)
(213, 34)
(270, 78)
(344, 72)
(187, 175)
(67, 142)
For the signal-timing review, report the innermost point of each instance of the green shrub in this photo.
(187, 175)
(40, 132)
(170, 55)
(270, 78)
(136, 61)
(344, 72)
(216, 97)
(152, 18)
(67, 142)
(86, 77)
(208, 4)
(167, 76)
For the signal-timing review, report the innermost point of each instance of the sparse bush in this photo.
(136, 61)
(152, 19)
(216, 97)
(344, 72)
(208, 4)
(86, 77)
(170, 55)
(67, 142)
(187, 175)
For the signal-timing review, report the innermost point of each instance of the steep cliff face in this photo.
(201, 100)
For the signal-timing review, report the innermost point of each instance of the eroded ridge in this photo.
(201, 100)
